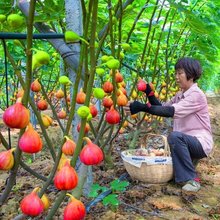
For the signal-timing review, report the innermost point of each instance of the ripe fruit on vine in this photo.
(35, 86)
(125, 124)
(80, 97)
(108, 87)
(30, 141)
(121, 90)
(15, 21)
(69, 146)
(62, 114)
(47, 120)
(16, 116)
(107, 102)
(42, 104)
(66, 178)
(20, 93)
(141, 85)
(163, 84)
(91, 154)
(112, 116)
(86, 129)
(122, 100)
(6, 159)
(74, 210)
(59, 94)
(118, 77)
(93, 110)
(134, 94)
(31, 204)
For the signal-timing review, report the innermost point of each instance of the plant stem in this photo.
(59, 200)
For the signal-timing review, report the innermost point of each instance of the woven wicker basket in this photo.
(158, 169)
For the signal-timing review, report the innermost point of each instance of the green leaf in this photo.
(111, 199)
(118, 185)
(96, 189)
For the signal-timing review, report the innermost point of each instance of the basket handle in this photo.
(166, 146)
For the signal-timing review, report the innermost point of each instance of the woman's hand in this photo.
(134, 107)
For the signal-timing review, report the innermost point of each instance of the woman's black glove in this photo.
(151, 97)
(136, 107)
(149, 91)
(164, 111)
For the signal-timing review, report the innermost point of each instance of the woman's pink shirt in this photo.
(191, 116)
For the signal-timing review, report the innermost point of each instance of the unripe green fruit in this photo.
(134, 75)
(104, 58)
(100, 71)
(126, 46)
(98, 93)
(83, 111)
(42, 57)
(2, 18)
(89, 117)
(96, 44)
(64, 80)
(124, 36)
(122, 55)
(114, 20)
(71, 37)
(113, 64)
(15, 20)
(35, 63)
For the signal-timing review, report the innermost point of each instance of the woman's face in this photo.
(181, 80)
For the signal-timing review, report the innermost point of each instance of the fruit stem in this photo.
(36, 189)
(71, 196)
(13, 149)
(87, 140)
(67, 138)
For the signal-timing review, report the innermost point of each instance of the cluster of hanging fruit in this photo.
(18, 116)
(65, 178)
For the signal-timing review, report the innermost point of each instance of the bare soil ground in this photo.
(140, 200)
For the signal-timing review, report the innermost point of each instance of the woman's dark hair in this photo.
(191, 67)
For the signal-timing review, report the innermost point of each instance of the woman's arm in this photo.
(164, 111)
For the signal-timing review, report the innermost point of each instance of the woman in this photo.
(191, 137)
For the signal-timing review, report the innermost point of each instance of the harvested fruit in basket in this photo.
(146, 152)
(141, 152)
(157, 152)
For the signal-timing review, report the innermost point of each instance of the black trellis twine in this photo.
(7, 35)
